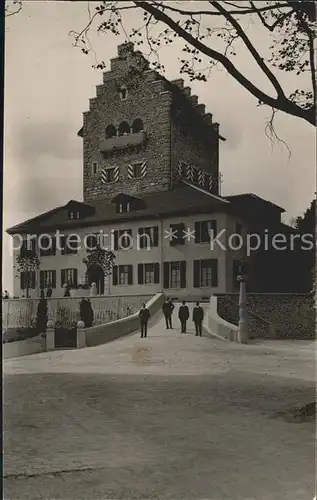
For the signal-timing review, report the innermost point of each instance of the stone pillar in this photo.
(50, 336)
(81, 335)
(243, 320)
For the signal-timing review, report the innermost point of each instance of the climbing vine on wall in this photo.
(104, 258)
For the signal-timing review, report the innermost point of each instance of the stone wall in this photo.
(293, 315)
(17, 313)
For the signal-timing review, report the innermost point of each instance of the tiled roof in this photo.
(179, 201)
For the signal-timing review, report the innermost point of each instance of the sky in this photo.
(48, 83)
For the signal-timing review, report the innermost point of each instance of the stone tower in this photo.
(142, 130)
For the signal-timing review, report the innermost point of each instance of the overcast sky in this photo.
(47, 86)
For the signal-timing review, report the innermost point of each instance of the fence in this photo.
(18, 313)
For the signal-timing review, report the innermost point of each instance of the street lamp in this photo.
(243, 320)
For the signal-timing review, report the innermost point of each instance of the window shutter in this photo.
(115, 275)
(62, 243)
(33, 247)
(130, 275)
(156, 272)
(213, 228)
(41, 280)
(196, 273)
(140, 274)
(214, 272)
(116, 238)
(141, 237)
(53, 246)
(22, 280)
(183, 274)
(197, 232)
(116, 174)
(63, 280)
(33, 280)
(155, 236)
(53, 284)
(75, 277)
(166, 279)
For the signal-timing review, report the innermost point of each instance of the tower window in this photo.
(124, 128)
(108, 175)
(94, 167)
(137, 126)
(111, 131)
(123, 93)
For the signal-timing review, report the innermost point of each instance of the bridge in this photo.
(171, 416)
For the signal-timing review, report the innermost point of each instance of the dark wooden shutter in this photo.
(63, 277)
(62, 243)
(53, 284)
(155, 238)
(156, 272)
(116, 238)
(141, 237)
(41, 280)
(197, 232)
(130, 275)
(75, 277)
(53, 246)
(115, 272)
(213, 227)
(22, 280)
(214, 272)
(183, 274)
(140, 274)
(166, 278)
(196, 274)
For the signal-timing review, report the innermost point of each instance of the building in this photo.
(151, 190)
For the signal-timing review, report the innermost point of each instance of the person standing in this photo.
(144, 318)
(168, 308)
(183, 314)
(198, 316)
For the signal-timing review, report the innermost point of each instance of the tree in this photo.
(27, 262)
(290, 27)
(306, 224)
(103, 258)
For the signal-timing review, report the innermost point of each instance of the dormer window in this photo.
(123, 93)
(123, 207)
(73, 215)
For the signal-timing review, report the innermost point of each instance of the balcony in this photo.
(122, 142)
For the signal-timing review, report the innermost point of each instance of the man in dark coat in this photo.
(183, 314)
(144, 315)
(198, 316)
(168, 307)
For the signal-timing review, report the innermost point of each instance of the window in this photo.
(137, 126)
(69, 277)
(92, 241)
(122, 239)
(205, 273)
(237, 239)
(108, 175)
(137, 170)
(124, 129)
(204, 230)
(123, 93)
(69, 244)
(73, 215)
(47, 245)
(111, 131)
(28, 246)
(27, 280)
(148, 237)
(148, 273)
(47, 279)
(175, 274)
(94, 167)
(122, 275)
(177, 232)
(123, 207)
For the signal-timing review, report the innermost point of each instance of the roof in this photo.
(248, 200)
(183, 199)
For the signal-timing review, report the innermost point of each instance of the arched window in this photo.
(111, 131)
(137, 125)
(124, 128)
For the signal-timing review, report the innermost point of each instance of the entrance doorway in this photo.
(95, 274)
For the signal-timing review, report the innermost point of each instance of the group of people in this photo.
(183, 315)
